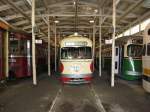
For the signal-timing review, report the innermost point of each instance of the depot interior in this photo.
(31, 32)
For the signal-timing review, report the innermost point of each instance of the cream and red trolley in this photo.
(76, 63)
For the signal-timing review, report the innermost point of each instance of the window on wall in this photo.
(148, 49)
(144, 50)
(135, 29)
(144, 24)
(127, 33)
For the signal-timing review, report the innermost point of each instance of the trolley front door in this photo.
(116, 60)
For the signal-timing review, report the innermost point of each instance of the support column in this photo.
(100, 44)
(55, 49)
(49, 55)
(33, 44)
(93, 43)
(6, 46)
(113, 44)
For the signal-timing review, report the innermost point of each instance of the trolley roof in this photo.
(75, 41)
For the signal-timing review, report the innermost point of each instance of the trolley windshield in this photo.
(134, 50)
(76, 53)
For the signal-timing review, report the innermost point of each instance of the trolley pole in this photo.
(100, 44)
(49, 55)
(33, 43)
(113, 44)
(55, 50)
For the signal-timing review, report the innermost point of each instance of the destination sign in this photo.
(82, 43)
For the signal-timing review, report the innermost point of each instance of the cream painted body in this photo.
(146, 60)
(77, 67)
(146, 64)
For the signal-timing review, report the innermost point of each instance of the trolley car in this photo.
(128, 58)
(146, 59)
(19, 55)
(76, 63)
(15, 54)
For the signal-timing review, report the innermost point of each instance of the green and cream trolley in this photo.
(76, 63)
(128, 58)
(146, 59)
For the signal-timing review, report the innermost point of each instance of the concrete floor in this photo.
(51, 96)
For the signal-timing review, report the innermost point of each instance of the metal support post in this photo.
(55, 49)
(49, 55)
(33, 44)
(6, 46)
(100, 44)
(93, 44)
(113, 44)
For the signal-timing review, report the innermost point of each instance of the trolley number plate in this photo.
(75, 68)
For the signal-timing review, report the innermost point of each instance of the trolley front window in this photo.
(76, 53)
(134, 50)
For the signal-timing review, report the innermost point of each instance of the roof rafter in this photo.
(6, 7)
(20, 11)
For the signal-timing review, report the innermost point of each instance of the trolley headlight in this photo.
(92, 67)
(61, 67)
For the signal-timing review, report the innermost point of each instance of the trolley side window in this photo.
(13, 49)
(18, 47)
(148, 49)
(76, 53)
(144, 50)
(134, 50)
(116, 51)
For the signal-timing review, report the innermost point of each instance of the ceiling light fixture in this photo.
(95, 10)
(75, 33)
(56, 21)
(91, 21)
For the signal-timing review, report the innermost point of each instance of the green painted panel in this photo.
(131, 68)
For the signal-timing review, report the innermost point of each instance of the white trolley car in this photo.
(76, 62)
(146, 59)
